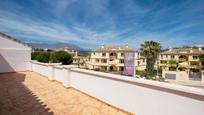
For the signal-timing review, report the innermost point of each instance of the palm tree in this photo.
(150, 50)
(201, 57)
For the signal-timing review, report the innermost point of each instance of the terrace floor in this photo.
(28, 93)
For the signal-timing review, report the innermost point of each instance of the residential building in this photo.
(178, 58)
(109, 58)
(140, 62)
(81, 61)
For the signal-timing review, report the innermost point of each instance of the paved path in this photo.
(28, 93)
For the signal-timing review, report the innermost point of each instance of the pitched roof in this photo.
(187, 51)
(14, 39)
(113, 48)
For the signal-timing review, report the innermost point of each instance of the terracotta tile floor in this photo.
(28, 93)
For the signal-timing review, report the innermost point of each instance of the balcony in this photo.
(113, 62)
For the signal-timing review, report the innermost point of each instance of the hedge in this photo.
(43, 57)
(64, 57)
(52, 57)
(34, 55)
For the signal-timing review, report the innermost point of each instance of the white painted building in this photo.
(14, 55)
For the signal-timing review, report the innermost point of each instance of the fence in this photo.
(183, 75)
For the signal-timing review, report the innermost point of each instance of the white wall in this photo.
(138, 96)
(59, 74)
(14, 56)
(12, 60)
(42, 69)
(10, 44)
(180, 75)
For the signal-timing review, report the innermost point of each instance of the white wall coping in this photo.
(45, 64)
(55, 65)
(16, 49)
(176, 71)
(146, 83)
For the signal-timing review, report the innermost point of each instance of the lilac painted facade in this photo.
(129, 63)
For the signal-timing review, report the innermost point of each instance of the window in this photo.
(121, 60)
(121, 68)
(195, 57)
(97, 60)
(143, 60)
(104, 60)
(172, 56)
(166, 56)
(122, 54)
(104, 54)
(161, 56)
(93, 53)
(163, 62)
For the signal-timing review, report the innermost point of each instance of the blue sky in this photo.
(90, 23)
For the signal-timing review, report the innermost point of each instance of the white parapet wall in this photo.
(138, 96)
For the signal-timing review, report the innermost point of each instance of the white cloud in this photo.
(39, 29)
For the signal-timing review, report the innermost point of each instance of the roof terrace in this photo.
(30, 93)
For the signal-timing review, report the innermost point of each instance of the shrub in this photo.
(172, 61)
(194, 63)
(182, 68)
(141, 72)
(53, 58)
(201, 56)
(43, 57)
(172, 68)
(34, 55)
(64, 57)
(49, 50)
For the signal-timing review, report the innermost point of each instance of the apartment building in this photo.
(177, 58)
(109, 58)
(81, 61)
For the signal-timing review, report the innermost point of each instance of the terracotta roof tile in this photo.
(114, 48)
(184, 51)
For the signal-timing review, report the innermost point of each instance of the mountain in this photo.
(57, 45)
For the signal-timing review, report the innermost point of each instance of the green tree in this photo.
(53, 58)
(34, 55)
(64, 57)
(43, 57)
(201, 57)
(150, 50)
